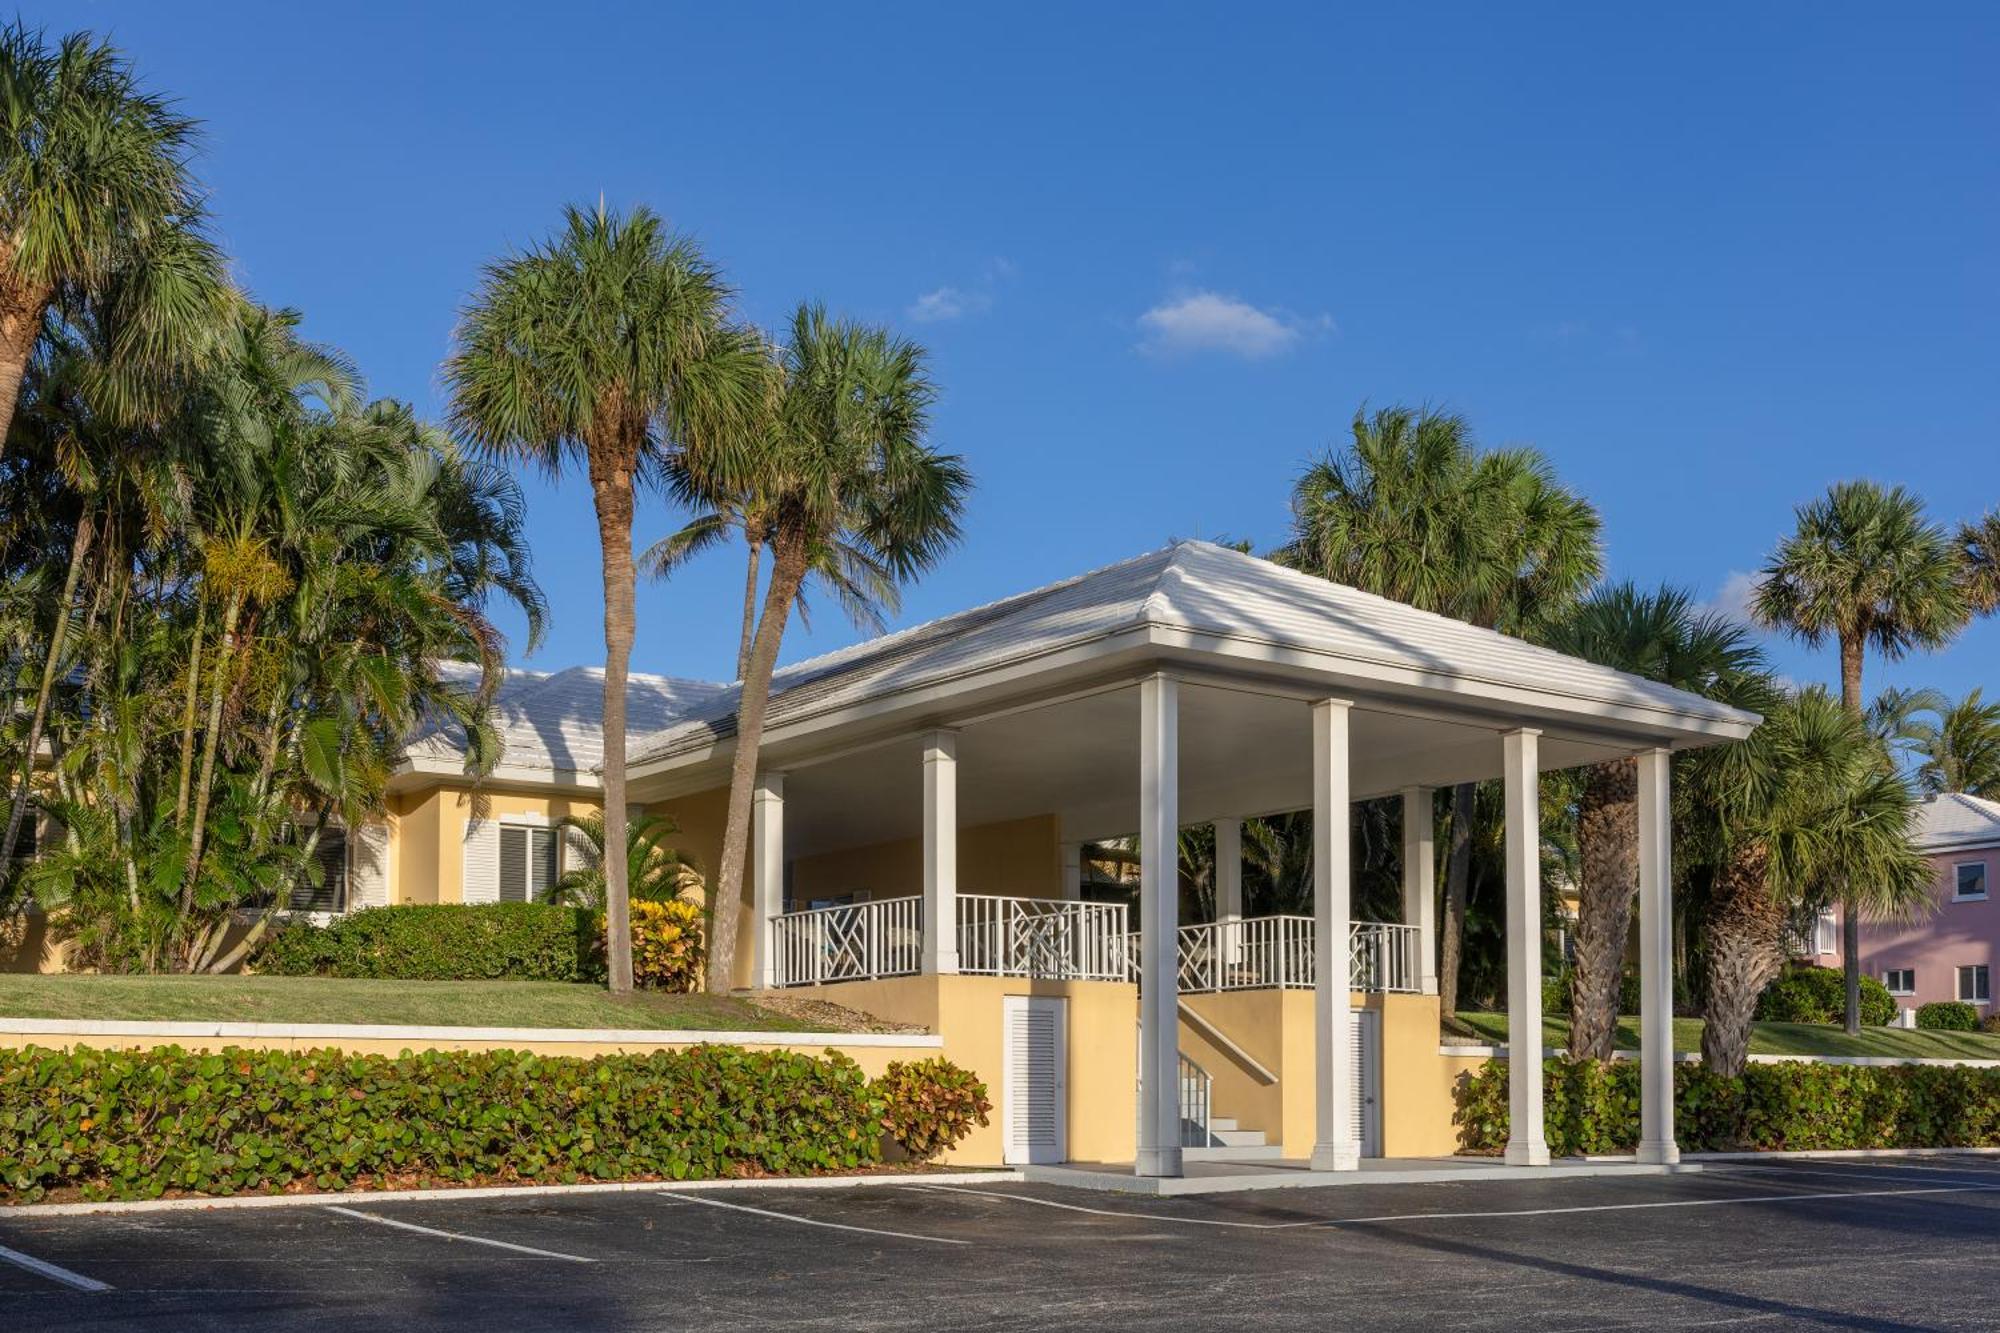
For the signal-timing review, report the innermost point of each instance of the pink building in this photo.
(1953, 954)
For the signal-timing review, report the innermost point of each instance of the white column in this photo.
(1159, 923)
(1229, 887)
(1072, 871)
(1420, 882)
(940, 853)
(1527, 1142)
(1656, 960)
(1334, 1144)
(767, 860)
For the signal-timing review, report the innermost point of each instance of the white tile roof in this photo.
(1955, 820)
(1194, 586)
(551, 720)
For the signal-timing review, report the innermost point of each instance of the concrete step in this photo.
(1263, 1152)
(1221, 1122)
(1236, 1138)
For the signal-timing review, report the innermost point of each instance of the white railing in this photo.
(1048, 938)
(1276, 953)
(1197, 1090)
(856, 942)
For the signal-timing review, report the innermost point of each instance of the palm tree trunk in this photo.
(1745, 927)
(1852, 650)
(188, 705)
(749, 630)
(788, 571)
(79, 547)
(21, 315)
(1457, 883)
(613, 494)
(1607, 835)
(210, 741)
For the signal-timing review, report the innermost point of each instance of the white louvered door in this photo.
(1365, 1052)
(1035, 1095)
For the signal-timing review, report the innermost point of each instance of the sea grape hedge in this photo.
(444, 942)
(139, 1124)
(1593, 1107)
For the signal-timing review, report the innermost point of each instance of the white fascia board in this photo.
(424, 771)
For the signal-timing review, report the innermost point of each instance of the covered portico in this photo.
(922, 799)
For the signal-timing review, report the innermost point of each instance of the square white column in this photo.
(1229, 888)
(1527, 1140)
(1159, 928)
(1072, 871)
(1335, 1147)
(940, 853)
(1656, 960)
(1420, 881)
(767, 860)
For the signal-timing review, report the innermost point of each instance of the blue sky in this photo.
(1708, 259)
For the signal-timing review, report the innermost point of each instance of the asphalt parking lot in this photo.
(1876, 1244)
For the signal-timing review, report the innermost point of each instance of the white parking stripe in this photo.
(380, 1220)
(43, 1268)
(1978, 1178)
(809, 1221)
(1461, 1216)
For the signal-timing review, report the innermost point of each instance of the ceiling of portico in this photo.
(1241, 753)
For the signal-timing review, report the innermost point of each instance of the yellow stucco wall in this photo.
(427, 834)
(966, 1011)
(1277, 1029)
(1020, 858)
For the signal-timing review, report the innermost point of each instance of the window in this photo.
(1969, 884)
(1826, 932)
(527, 862)
(1972, 984)
(1901, 980)
(330, 894)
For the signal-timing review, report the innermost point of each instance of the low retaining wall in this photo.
(873, 1051)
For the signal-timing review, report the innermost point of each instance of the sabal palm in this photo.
(844, 462)
(1801, 810)
(1865, 568)
(1413, 510)
(1665, 636)
(607, 345)
(1979, 547)
(94, 181)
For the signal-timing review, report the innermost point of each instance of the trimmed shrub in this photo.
(444, 942)
(1591, 1107)
(1809, 994)
(1990, 1023)
(1948, 1016)
(669, 949)
(930, 1106)
(137, 1124)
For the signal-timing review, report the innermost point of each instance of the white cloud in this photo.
(1206, 321)
(1735, 596)
(948, 303)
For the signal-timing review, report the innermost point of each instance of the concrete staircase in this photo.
(1230, 1142)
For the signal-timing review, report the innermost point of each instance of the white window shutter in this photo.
(481, 881)
(368, 872)
(577, 851)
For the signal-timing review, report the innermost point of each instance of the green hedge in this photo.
(1593, 1107)
(136, 1124)
(1808, 994)
(1948, 1016)
(444, 942)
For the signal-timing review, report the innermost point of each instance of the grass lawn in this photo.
(546, 1004)
(1770, 1038)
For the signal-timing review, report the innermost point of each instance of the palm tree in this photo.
(94, 180)
(1414, 511)
(1960, 751)
(1803, 809)
(607, 345)
(1662, 635)
(1867, 569)
(654, 872)
(844, 463)
(1979, 546)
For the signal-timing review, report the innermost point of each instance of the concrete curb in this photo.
(1807, 1154)
(158, 1029)
(351, 1197)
